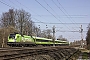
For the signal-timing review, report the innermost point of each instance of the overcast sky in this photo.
(59, 12)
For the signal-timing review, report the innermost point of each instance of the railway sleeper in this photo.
(14, 56)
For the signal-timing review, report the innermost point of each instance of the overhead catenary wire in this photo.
(26, 7)
(6, 4)
(52, 9)
(49, 11)
(39, 21)
(41, 16)
(29, 9)
(62, 11)
(32, 11)
(65, 10)
(14, 3)
(35, 18)
(63, 16)
(67, 13)
(45, 22)
(60, 23)
(13, 7)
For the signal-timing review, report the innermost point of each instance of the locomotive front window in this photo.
(12, 36)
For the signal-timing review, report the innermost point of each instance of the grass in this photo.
(84, 56)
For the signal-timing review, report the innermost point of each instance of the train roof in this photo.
(61, 41)
(48, 39)
(42, 38)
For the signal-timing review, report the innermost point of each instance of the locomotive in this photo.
(18, 40)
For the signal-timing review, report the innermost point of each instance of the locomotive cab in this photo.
(11, 38)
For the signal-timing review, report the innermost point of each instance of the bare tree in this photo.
(23, 20)
(19, 19)
(37, 31)
(88, 37)
(8, 19)
(4, 32)
(61, 38)
(47, 34)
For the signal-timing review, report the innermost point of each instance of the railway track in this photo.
(52, 52)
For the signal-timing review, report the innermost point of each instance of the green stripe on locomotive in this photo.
(44, 43)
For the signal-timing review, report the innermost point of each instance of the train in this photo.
(18, 40)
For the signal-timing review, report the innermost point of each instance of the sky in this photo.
(66, 15)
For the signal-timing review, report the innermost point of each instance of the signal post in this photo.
(53, 35)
